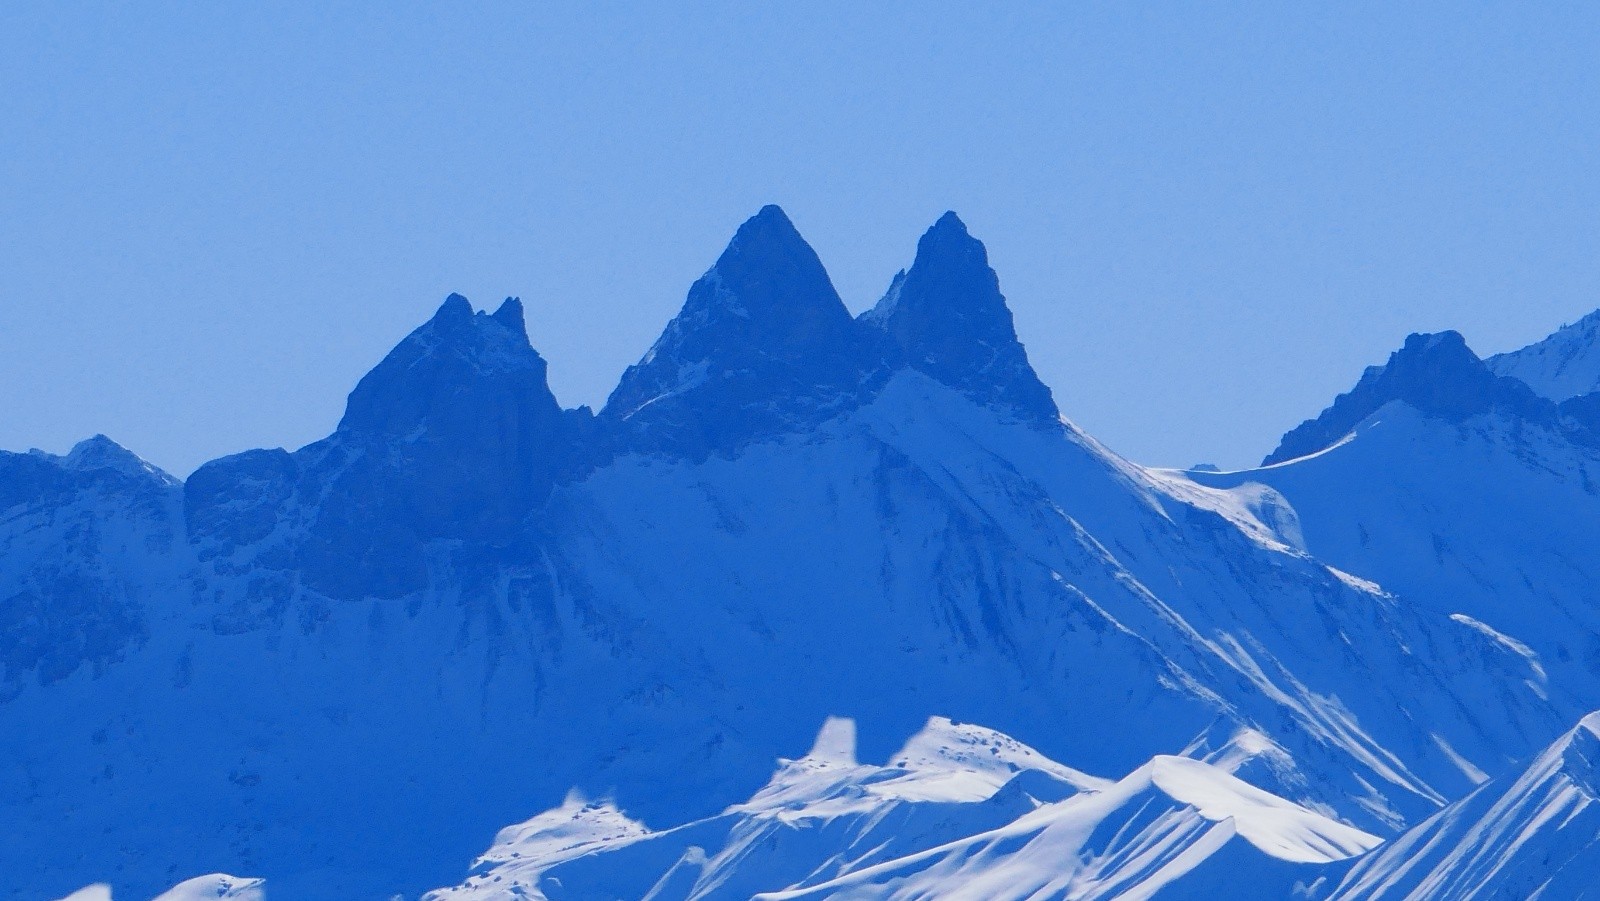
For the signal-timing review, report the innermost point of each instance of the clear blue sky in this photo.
(215, 217)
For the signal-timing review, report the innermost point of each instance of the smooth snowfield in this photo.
(1486, 520)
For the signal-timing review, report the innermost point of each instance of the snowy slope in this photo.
(215, 887)
(960, 812)
(87, 540)
(1464, 494)
(1530, 834)
(942, 553)
(1564, 365)
(343, 668)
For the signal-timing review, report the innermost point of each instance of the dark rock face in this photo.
(1436, 374)
(455, 435)
(762, 345)
(462, 408)
(237, 501)
(33, 480)
(61, 623)
(1581, 415)
(951, 322)
(74, 590)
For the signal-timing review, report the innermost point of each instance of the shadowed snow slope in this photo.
(960, 812)
(1486, 508)
(1534, 834)
(343, 668)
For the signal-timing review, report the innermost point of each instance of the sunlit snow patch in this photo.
(215, 887)
(960, 812)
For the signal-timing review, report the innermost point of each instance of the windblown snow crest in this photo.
(961, 811)
(345, 668)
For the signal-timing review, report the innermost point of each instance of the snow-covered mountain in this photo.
(346, 667)
(1562, 366)
(1465, 493)
(1528, 834)
(212, 887)
(959, 812)
(1471, 488)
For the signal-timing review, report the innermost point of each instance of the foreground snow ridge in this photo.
(961, 812)
(215, 887)
(1533, 834)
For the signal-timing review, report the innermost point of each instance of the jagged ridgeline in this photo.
(346, 667)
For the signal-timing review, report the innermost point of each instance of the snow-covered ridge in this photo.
(1562, 366)
(215, 887)
(1437, 375)
(100, 452)
(1488, 514)
(960, 812)
(1532, 834)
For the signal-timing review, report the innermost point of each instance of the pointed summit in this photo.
(96, 451)
(952, 323)
(770, 276)
(455, 309)
(100, 452)
(455, 434)
(96, 454)
(434, 370)
(763, 343)
(510, 316)
(1437, 374)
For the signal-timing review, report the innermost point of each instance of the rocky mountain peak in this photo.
(450, 369)
(762, 343)
(100, 452)
(454, 434)
(1437, 374)
(949, 319)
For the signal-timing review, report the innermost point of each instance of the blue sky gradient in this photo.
(1207, 218)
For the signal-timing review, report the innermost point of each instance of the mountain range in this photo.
(815, 606)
